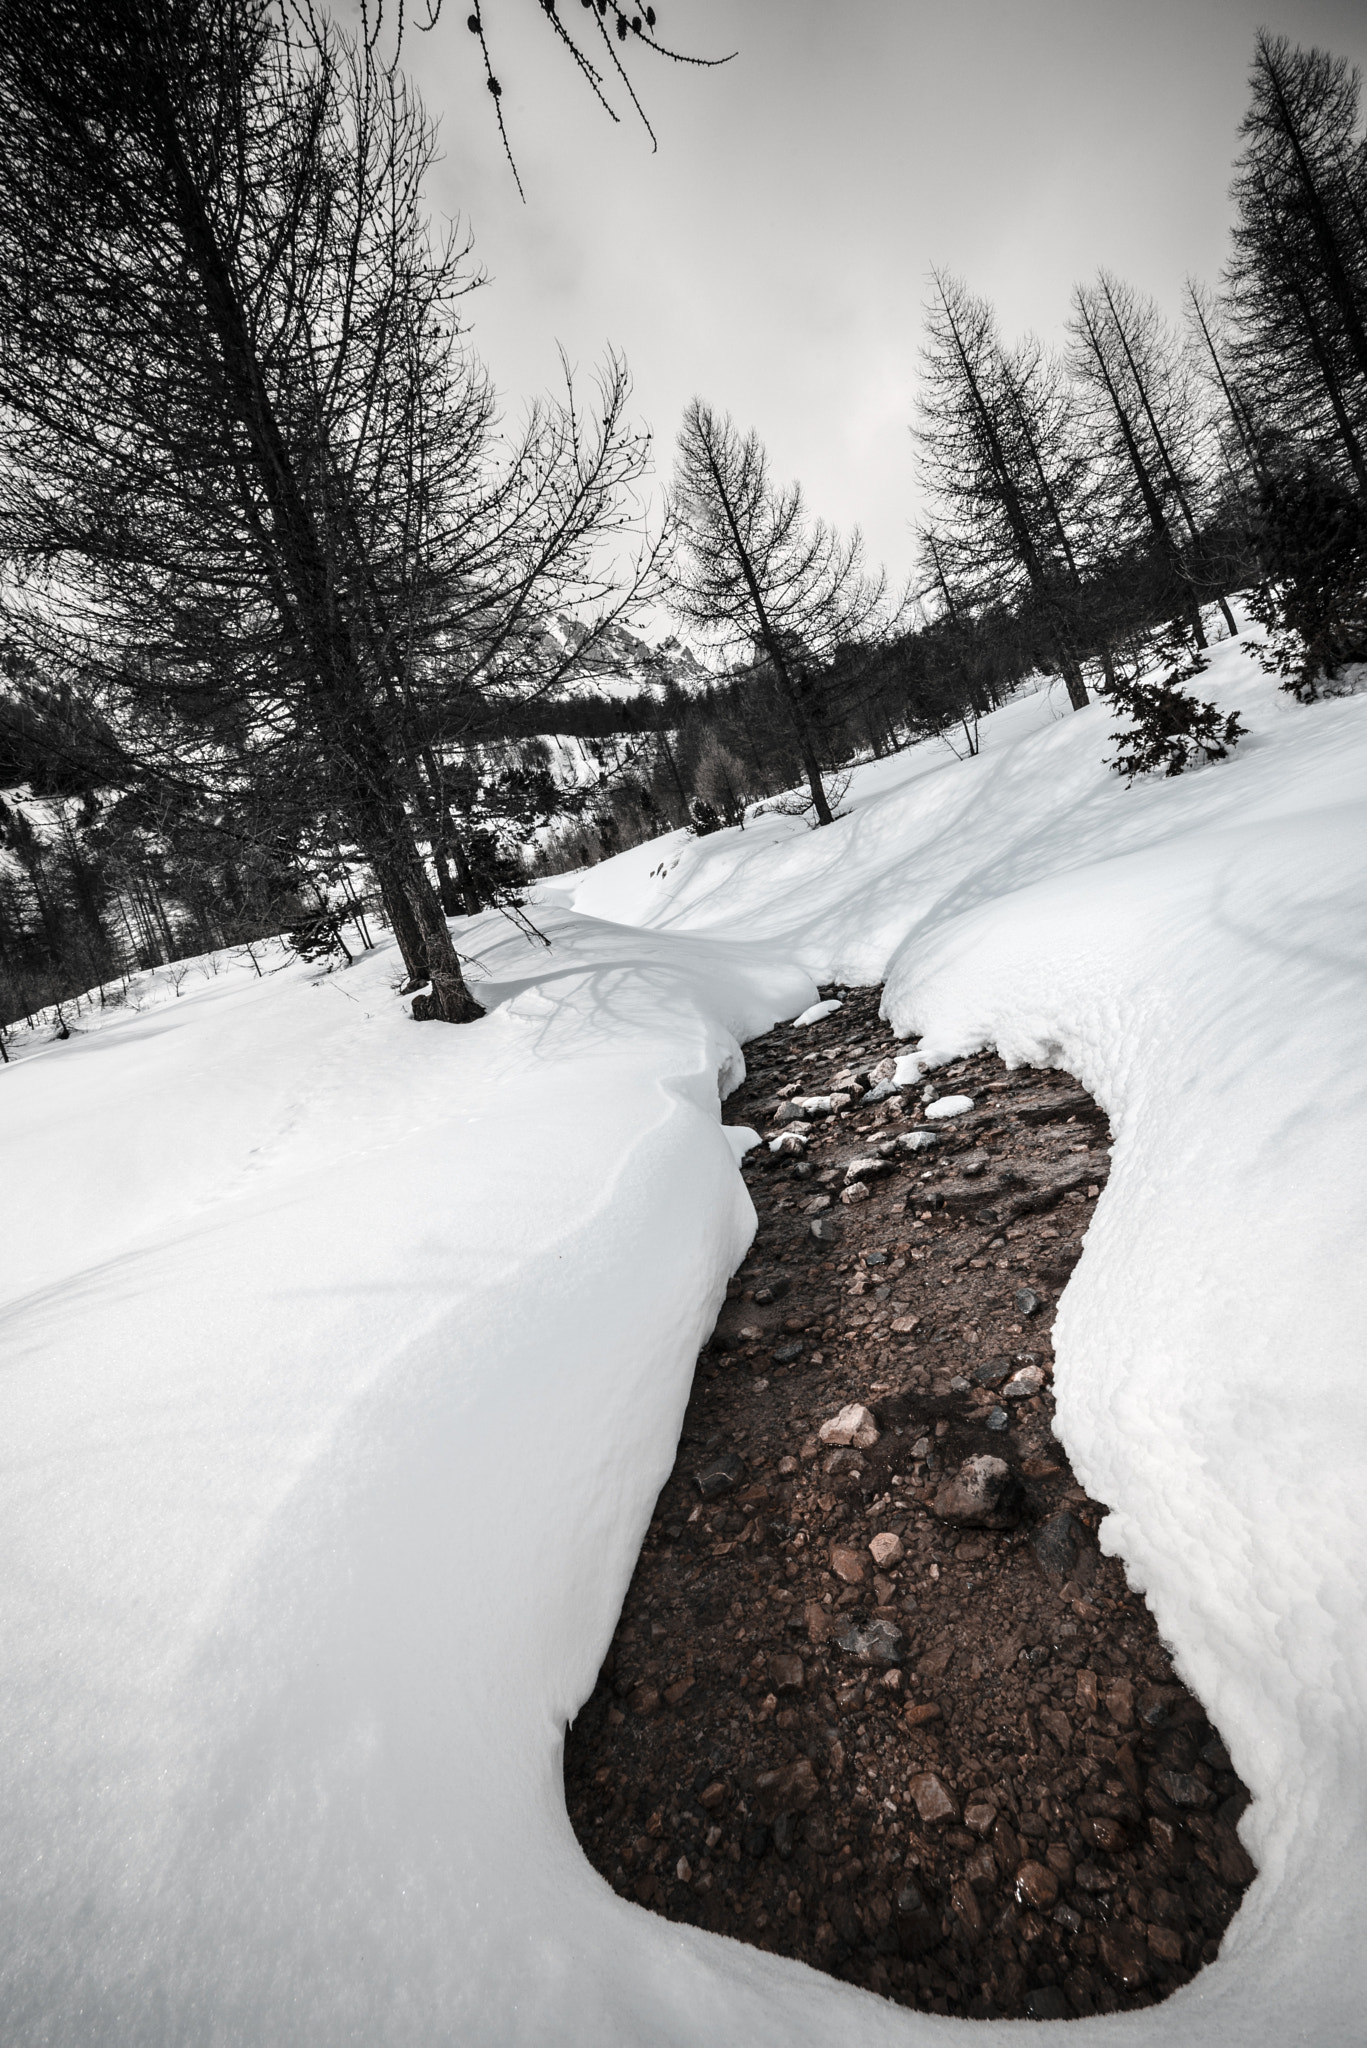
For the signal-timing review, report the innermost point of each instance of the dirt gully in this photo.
(875, 1699)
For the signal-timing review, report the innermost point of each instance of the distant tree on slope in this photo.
(1148, 429)
(769, 586)
(1296, 293)
(1296, 283)
(1005, 470)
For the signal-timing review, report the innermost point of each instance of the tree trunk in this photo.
(1078, 695)
(345, 718)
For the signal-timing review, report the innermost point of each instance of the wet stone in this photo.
(1036, 1885)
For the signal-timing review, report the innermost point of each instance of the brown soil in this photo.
(999, 1802)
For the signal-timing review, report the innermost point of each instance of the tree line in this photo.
(292, 618)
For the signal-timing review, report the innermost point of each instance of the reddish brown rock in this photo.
(790, 1789)
(920, 1712)
(1165, 1943)
(1120, 1702)
(1124, 1952)
(965, 1903)
(818, 1620)
(933, 1799)
(1102, 1832)
(848, 1565)
(1057, 1724)
(983, 1494)
(1036, 1885)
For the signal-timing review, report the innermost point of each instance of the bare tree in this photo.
(248, 476)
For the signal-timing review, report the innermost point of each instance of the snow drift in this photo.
(343, 1360)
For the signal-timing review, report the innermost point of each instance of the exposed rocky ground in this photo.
(875, 1699)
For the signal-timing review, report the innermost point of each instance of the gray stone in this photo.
(1021, 1385)
(1183, 1788)
(1058, 1543)
(991, 1372)
(867, 1169)
(825, 1229)
(787, 1354)
(918, 1141)
(721, 1474)
(999, 1419)
(1027, 1301)
(872, 1642)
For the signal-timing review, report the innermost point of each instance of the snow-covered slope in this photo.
(342, 1361)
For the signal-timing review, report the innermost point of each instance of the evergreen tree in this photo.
(1297, 279)
(774, 590)
(1171, 730)
(1148, 431)
(1005, 470)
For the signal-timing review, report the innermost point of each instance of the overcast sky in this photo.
(772, 256)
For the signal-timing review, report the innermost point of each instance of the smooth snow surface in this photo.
(343, 1359)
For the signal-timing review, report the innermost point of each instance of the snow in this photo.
(816, 1011)
(344, 1358)
(950, 1105)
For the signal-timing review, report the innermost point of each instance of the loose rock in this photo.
(853, 1425)
(872, 1642)
(1036, 1885)
(933, 1799)
(983, 1494)
(720, 1475)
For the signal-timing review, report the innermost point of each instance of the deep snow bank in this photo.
(343, 1361)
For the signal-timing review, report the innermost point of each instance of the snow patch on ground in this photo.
(343, 1360)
